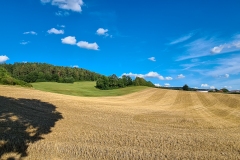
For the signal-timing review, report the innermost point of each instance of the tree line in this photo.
(43, 72)
(7, 79)
(113, 82)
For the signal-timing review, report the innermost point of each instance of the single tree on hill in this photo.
(185, 87)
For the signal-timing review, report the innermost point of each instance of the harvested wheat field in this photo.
(149, 124)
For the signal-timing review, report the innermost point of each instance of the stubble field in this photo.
(149, 124)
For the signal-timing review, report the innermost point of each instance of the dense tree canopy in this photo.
(42, 72)
(113, 82)
(185, 87)
(5, 78)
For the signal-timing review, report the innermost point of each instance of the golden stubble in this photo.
(150, 124)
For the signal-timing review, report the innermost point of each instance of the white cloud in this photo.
(236, 44)
(228, 87)
(133, 75)
(204, 85)
(167, 85)
(55, 31)
(75, 66)
(157, 85)
(182, 39)
(30, 32)
(73, 5)
(226, 75)
(152, 59)
(24, 42)
(69, 40)
(3, 58)
(212, 87)
(217, 49)
(102, 32)
(45, 1)
(148, 75)
(86, 45)
(198, 48)
(224, 67)
(61, 13)
(180, 76)
(154, 75)
(169, 78)
(63, 26)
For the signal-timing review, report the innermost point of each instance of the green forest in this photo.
(43, 72)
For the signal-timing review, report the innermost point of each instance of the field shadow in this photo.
(24, 121)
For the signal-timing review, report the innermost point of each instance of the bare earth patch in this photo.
(150, 124)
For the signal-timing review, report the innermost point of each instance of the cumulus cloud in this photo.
(169, 78)
(102, 32)
(73, 5)
(212, 87)
(148, 75)
(75, 66)
(30, 32)
(153, 75)
(69, 40)
(152, 59)
(228, 87)
(55, 31)
(157, 85)
(167, 85)
(3, 58)
(180, 76)
(204, 85)
(87, 45)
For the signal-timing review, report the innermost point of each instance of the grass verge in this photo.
(83, 89)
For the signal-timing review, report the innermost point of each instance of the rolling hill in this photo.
(148, 124)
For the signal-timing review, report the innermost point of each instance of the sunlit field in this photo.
(83, 89)
(149, 124)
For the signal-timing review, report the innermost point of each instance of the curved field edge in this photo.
(149, 124)
(86, 88)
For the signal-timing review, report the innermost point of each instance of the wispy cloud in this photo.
(182, 39)
(87, 45)
(148, 75)
(197, 48)
(208, 46)
(3, 58)
(24, 42)
(73, 5)
(30, 32)
(224, 67)
(55, 31)
(180, 76)
(61, 13)
(152, 59)
(69, 40)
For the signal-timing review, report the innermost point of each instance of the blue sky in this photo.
(167, 42)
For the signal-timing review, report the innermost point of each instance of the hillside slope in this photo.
(150, 124)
